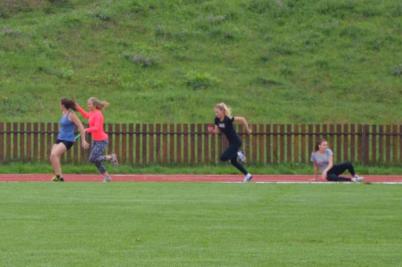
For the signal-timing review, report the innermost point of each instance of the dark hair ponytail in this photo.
(317, 145)
(68, 104)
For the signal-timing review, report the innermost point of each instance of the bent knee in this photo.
(53, 156)
(349, 164)
(224, 158)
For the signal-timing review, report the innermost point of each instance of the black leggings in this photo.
(334, 173)
(231, 154)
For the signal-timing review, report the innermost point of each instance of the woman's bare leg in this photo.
(57, 151)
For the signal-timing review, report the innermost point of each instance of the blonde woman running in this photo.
(224, 123)
(100, 139)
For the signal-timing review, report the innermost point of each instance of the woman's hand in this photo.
(324, 175)
(84, 144)
(211, 129)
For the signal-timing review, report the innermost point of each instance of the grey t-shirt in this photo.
(321, 159)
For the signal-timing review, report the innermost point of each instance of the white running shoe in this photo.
(107, 179)
(113, 160)
(241, 157)
(248, 178)
(357, 179)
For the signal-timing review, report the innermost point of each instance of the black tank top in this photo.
(227, 128)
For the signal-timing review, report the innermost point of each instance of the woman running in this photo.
(323, 160)
(99, 137)
(68, 123)
(224, 123)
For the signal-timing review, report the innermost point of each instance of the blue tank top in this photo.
(66, 129)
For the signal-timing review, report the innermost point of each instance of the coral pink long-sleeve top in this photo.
(95, 120)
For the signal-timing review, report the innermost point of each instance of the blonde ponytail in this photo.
(225, 108)
(99, 104)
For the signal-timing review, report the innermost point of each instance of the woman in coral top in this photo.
(99, 137)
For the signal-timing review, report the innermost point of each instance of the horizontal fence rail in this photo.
(145, 144)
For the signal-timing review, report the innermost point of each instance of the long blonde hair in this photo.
(99, 104)
(225, 108)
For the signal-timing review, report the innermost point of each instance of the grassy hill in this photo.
(159, 61)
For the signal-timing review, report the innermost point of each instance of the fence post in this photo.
(365, 144)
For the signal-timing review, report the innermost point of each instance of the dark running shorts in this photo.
(68, 144)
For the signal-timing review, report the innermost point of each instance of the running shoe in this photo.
(107, 179)
(114, 160)
(357, 179)
(241, 157)
(58, 179)
(248, 178)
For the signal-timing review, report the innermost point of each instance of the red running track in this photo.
(186, 178)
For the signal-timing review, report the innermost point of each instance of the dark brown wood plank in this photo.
(206, 138)
(185, 144)
(360, 143)
(2, 142)
(254, 138)
(268, 143)
(123, 154)
(158, 136)
(318, 135)
(400, 144)
(43, 149)
(110, 133)
(200, 144)
(282, 143)
(339, 151)
(35, 156)
(289, 144)
(172, 137)
(152, 136)
(304, 150)
(296, 140)
(15, 141)
(275, 137)
(366, 143)
(394, 140)
(388, 147)
(310, 140)
(214, 151)
(137, 143)
(22, 138)
(145, 150)
(346, 147)
(117, 140)
(164, 142)
(29, 141)
(353, 142)
(131, 143)
(8, 155)
(179, 141)
(49, 138)
(261, 143)
(192, 143)
(373, 154)
(380, 143)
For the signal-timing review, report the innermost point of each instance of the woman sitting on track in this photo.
(323, 160)
(224, 123)
(99, 137)
(66, 137)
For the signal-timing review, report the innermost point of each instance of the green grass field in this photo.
(148, 224)
(285, 61)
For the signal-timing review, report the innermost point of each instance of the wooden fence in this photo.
(144, 144)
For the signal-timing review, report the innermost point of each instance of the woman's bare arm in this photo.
(330, 165)
(74, 118)
(243, 122)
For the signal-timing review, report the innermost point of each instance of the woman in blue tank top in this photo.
(68, 123)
